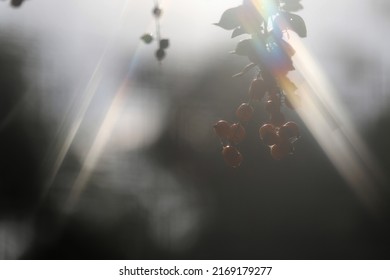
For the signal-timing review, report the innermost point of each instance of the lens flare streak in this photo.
(331, 127)
(87, 97)
(97, 146)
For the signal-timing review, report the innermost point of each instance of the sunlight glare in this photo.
(328, 122)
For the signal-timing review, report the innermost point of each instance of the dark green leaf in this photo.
(164, 43)
(298, 25)
(230, 19)
(255, 49)
(293, 7)
(290, 21)
(16, 3)
(244, 47)
(238, 31)
(245, 70)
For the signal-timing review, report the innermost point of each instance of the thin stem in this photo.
(158, 33)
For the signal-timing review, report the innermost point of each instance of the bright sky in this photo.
(335, 32)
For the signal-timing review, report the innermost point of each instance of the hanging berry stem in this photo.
(163, 44)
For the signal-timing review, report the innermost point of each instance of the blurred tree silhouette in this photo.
(22, 137)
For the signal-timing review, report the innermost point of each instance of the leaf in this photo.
(287, 85)
(290, 21)
(147, 38)
(277, 30)
(164, 43)
(292, 5)
(16, 3)
(288, 49)
(255, 49)
(244, 70)
(298, 25)
(244, 47)
(238, 31)
(230, 19)
(277, 60)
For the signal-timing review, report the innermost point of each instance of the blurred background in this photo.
(105, 154)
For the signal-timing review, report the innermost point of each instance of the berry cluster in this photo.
(147, 38)
(267, 21)
(278, 134)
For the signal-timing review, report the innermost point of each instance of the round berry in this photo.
(237, 133)
(293, 128)
(257, 89)
(222, 129)
(281, 150)
(289, 130)
(268, 134)
(277, 152)
(284, 133)
(244, 112)
(232, 156)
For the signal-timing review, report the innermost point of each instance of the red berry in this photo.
(244, 112)
(284, 133)
(287, 146)
(232, 156)
(277, 152)
(288, 49)
(222, 129)
(237, 133)
(257, 89)
(268, 134)
(281, 150)
(289, 130)
(266, 129)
